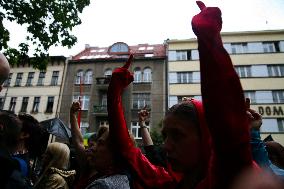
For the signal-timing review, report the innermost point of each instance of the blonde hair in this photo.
(60, 155)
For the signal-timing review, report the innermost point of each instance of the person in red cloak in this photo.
(208, 142)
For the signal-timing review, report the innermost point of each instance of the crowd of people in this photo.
(212, 144)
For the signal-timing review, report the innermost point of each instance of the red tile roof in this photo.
(141, 50)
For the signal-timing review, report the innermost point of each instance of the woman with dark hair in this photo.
(100, 166)
(32, 143)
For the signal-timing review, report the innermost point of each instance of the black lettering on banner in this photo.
(268, 110)
(278, 111)
(261, 110)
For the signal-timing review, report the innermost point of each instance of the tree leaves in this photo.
(48, 22)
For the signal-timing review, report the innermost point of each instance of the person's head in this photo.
(56, 155)
(33, 135)
(10, 128)
(102, 156)
(4, 69)
(186, 136)
(92, 140)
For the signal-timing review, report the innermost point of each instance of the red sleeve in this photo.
(223, 100)
(150, 175)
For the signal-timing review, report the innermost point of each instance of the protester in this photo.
(4, 70)
(188, 128)
(154, 153)
(259, 152)
(10, 173)
(55, 164)
(100, 166)
(31, 144)
(144, 174)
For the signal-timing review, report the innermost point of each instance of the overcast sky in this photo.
(105, 22)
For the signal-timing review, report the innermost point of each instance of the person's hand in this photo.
(143, 114)
(254, 117)
(121, 77)
(75, 107)
(208, 22)
(275, 153)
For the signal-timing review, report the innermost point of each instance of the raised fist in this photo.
(121, 77)
(208, 22)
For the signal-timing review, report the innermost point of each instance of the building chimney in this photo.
(87, 46)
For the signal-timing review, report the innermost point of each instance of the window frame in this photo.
(25, 103)
(54, 78)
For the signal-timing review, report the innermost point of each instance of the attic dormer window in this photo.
(119, 48)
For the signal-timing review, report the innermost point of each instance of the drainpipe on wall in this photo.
(62, 86)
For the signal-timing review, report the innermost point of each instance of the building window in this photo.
(243, 71)
(196, 77)
(278, 96)
(275, 70)
(35, 108)
(140, 100)
(25, 104)
(259, 71)
(41, 77)
(184, 77)
(263, 97)
(280, 122)
(79, 77)
(194, 54)
(136, 131)
(84, 101)
(2, 101)
(108, 73)
(119, 48)
(18, 79)
(147, 75)
(269, 47)
(172, 101)
(137, 75)
(88, 77)
(8, 81)
(238, 48)
(104, 100)
(251, 96)
(84, 127)
(50, 102)
(30, 78)
(182, 55)
(179, 55)
(269, 125)
(54, 79)
(13, 104)
(272, 125)
(172, 77)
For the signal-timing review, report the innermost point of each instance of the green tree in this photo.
(156, 134)
(48, 22)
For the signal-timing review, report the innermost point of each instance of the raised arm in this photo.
(120, 79)
(222, 96)
(147, 174)
(146, 137)
(77, 138)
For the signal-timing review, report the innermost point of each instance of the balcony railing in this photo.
(100, 109)
(103, 80)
